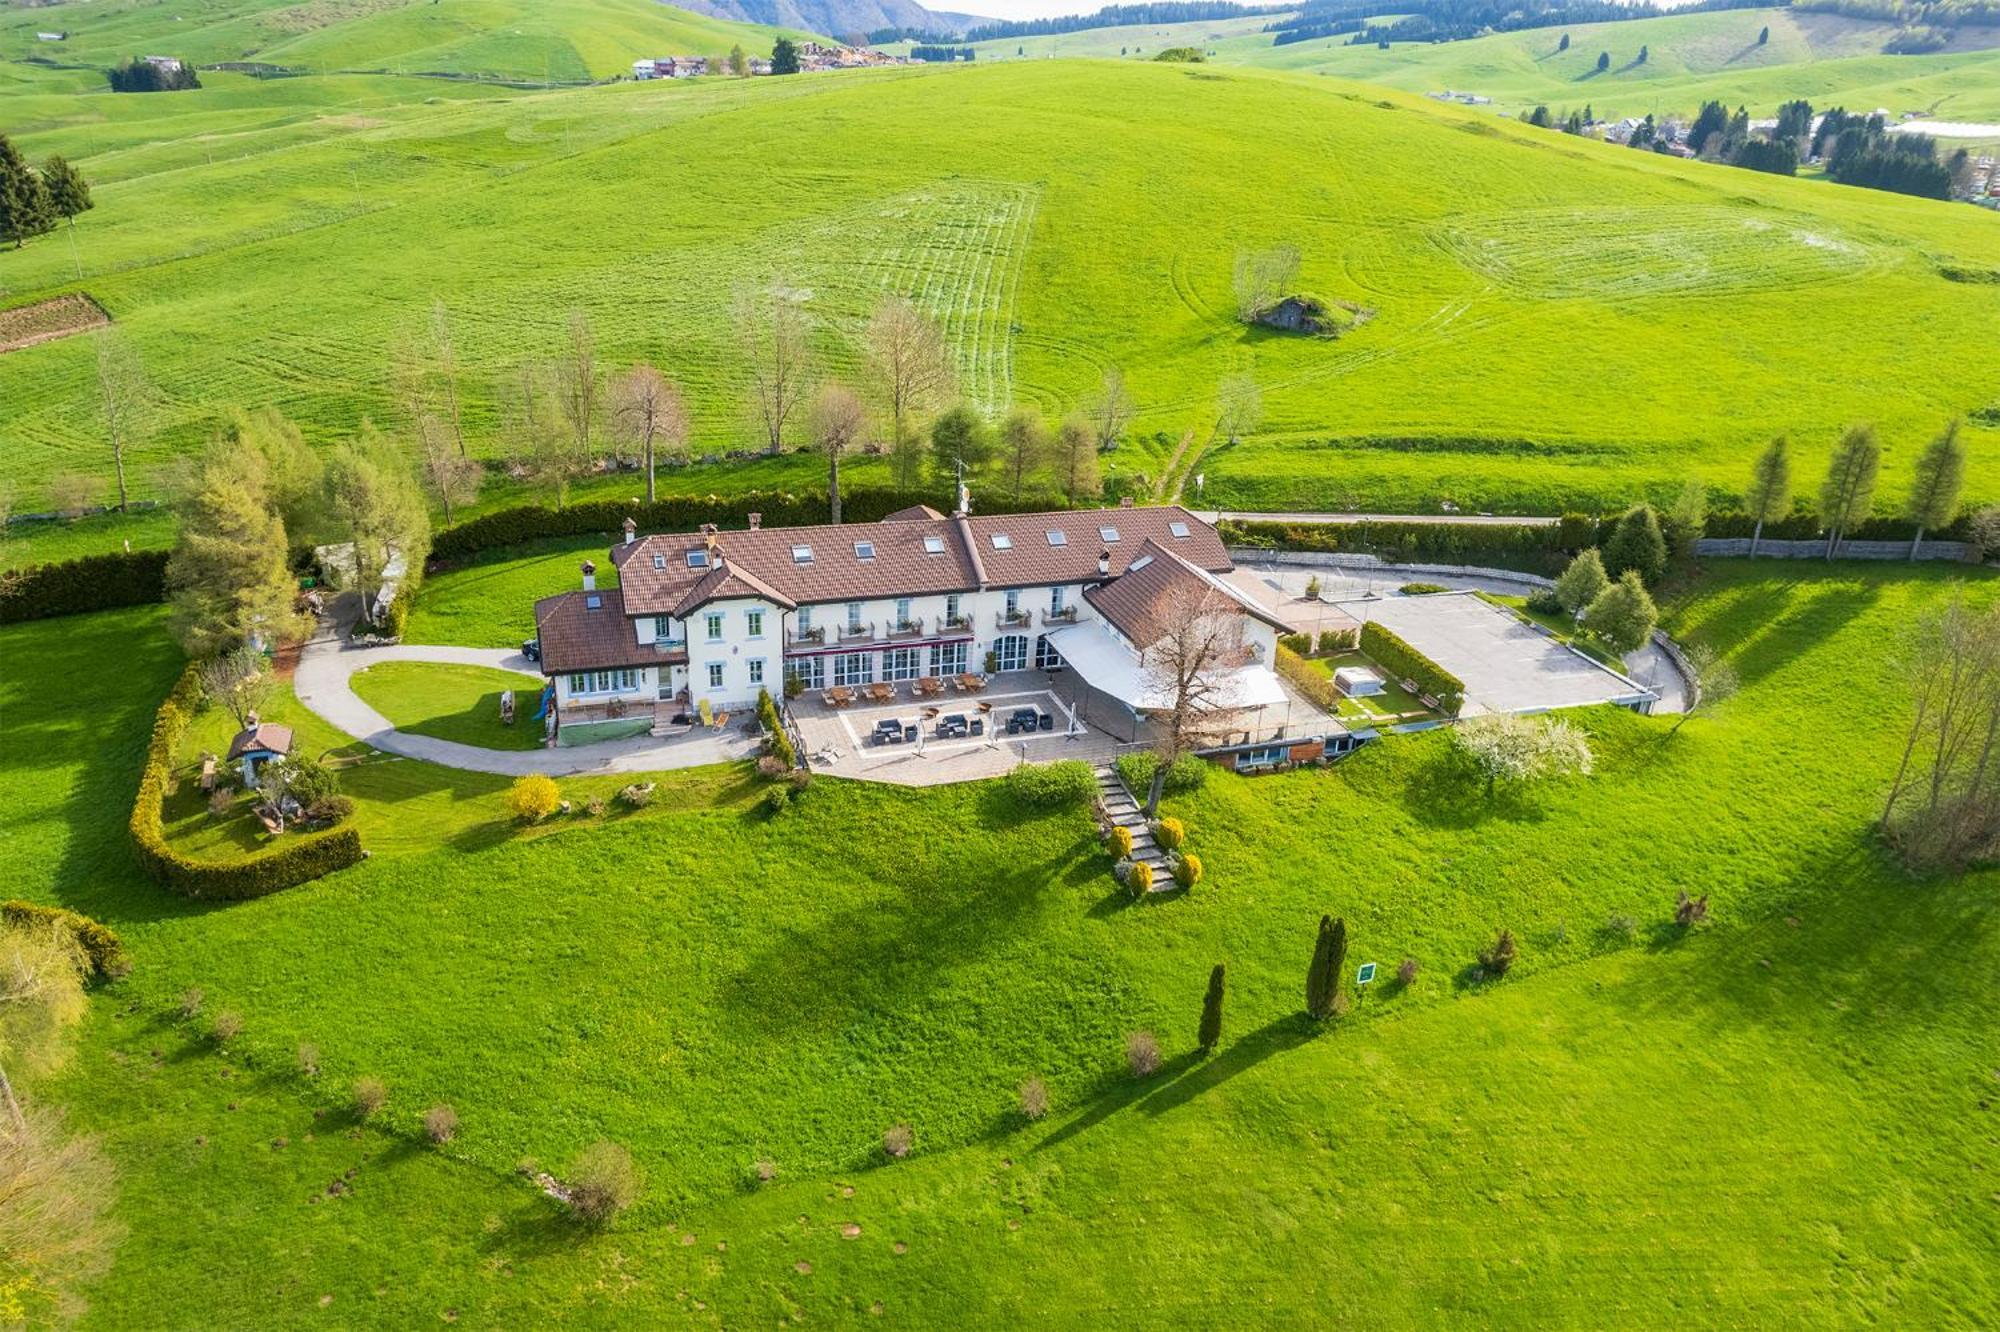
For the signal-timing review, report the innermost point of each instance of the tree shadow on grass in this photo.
(1445, 792)
(1273, 1038)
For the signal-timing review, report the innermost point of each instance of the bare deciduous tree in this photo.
(56, 1193)
(1951, 756)
(536, 434)
(444, 354)
(911, 362)
(837, 421)
(1189, 671)
(240, 681)
(1264, 278)
(774, 340)
(451, 478)
(125, 398)
(1111, 410)
(1076, 457)
(1239, 407)
(651, 416)
(1715, 680)
(1024, 445)
(577, 383)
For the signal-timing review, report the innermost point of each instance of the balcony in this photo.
(857, 633)
(1014, 619)
(1067, 615)
(805, 637)
(911, 628)
(955, 624)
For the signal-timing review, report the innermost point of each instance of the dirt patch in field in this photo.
(44, 321)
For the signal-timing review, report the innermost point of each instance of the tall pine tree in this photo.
(1848, 493)
(1770, 495)
(1323, 976)
(26, 210)
(1637, 544)
(1940, 476)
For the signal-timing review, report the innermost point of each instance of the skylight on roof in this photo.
(802, 554)
(1001, 541)
(933, 545)
(593, 602)
(1139, 564)
(864, 550)
(1178, 529)
(1110, 534)
(697, 559)
(659, 560)
(1058, 537)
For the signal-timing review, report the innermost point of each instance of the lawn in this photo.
(1394, 704)
(1787, 1102)
(1521, 281)
(460, 703)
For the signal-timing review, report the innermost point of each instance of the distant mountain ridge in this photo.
(836, 18)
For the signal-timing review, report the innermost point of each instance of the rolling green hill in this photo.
(534, 40)
(1556, 322)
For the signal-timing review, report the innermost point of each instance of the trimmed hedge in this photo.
(1396, 656)
(1052, 785)
(299, 860)
(1806, 527)
(105, 949)
(1542, 546)
(1316, 685)
(91, 583)
(534, 522)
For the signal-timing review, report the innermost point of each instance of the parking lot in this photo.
(840, 741)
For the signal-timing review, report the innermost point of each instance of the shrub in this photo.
(766, 1170)
(440, 1124)
(1169, 833)
(1052, 785)
(1387, 647)
(1142, 1054)
(594, 807)
(191, 1002)
(1544, 601)
(328, 810)
(1312, 588)
(1499, 956)
(1406, 971)
(1337, 640)
(1139, 878)
(370, 1095)
(1187, 869)
(798, 779)
(1690, 910)
(75, 587)
(603, 1182)
(533, 798)
(1188, 773)
(1034, 1098)
(1122, 871)
(897, 1142)
(220, 802)
(637, 796)
(774, 729)
(228, 1026)
(101, 949)
(774, 800)
(1121, 841)
(297, 861)
(1421, 589)
(308, 1059)
(1299, 643)
(771, 767)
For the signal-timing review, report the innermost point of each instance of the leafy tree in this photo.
(1582, 582)
(960, 442)
(1715, 679)
(739, 63)
(1502, 747)
(1076, 460)
(1713, 119)
(1637, 543)
(1940, 477)
(837, 421)
(1623, 614)
(1848, 493)
(374, 504)
(1210, 1033)
(228, 581)
(1540, 118)
(1645, 52)
(1770, 156)
(1686, 520)
(1770, 494)
(1764, 36)
(1563, 45)
(1323, 976)
(1024, 445)
(69, 192)
(26, 210)
(1603, 61)
(1795, 121)
(784, 56)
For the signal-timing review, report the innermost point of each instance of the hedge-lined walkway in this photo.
(324, 682)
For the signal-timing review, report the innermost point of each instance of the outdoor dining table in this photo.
(841, 695)
(882, 693)
(971, 684)
(930, 684)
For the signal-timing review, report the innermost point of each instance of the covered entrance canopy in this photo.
(1110, 666)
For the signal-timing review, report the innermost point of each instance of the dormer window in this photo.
(697, 559)
(864, 550)
(802, 554)
(1001, 541)
(933, 545)
(659, 560)
(1180, 530)
(1110, 534)
(1058, 537)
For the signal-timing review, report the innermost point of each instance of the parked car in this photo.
(531, 648)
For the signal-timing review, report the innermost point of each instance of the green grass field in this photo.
(1556, 323)
(1794, 1103)
(460, 703)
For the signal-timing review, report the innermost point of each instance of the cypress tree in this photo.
(1210, 1034)
(1770, 488)
(1940, 476)
(1323, 976)
(1637, 544)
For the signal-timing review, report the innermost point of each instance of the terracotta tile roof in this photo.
(264, 736)
(914, 552)
(725, 581)
(1138, 602)
(577, 637)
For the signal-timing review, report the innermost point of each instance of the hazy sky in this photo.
(1019, 9)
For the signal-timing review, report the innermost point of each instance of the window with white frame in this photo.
(805, 620)
(753, 621)
(902, 612)
(604, 682)
(853, 617)
(715, 675)
(948, 659)
(901, 664)
(663, 629)
(853, 668)
(951, 608)
(1011, 653)
(1013, 602)
(1055, 601)
(713, 621)
(756, 670)
(808, 671)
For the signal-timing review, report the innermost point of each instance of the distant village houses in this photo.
(812, 56)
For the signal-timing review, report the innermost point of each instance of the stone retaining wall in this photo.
(1816, 550)
(1322, 559)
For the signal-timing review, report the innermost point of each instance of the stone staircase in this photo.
(1125, 812)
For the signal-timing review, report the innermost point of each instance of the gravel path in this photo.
(324, 683)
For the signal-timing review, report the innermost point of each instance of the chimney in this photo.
(631, 531)
(1124, 501)
(1104, 561)
(590, 575)
(756, 521)
(964, 501)
(250, 721)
